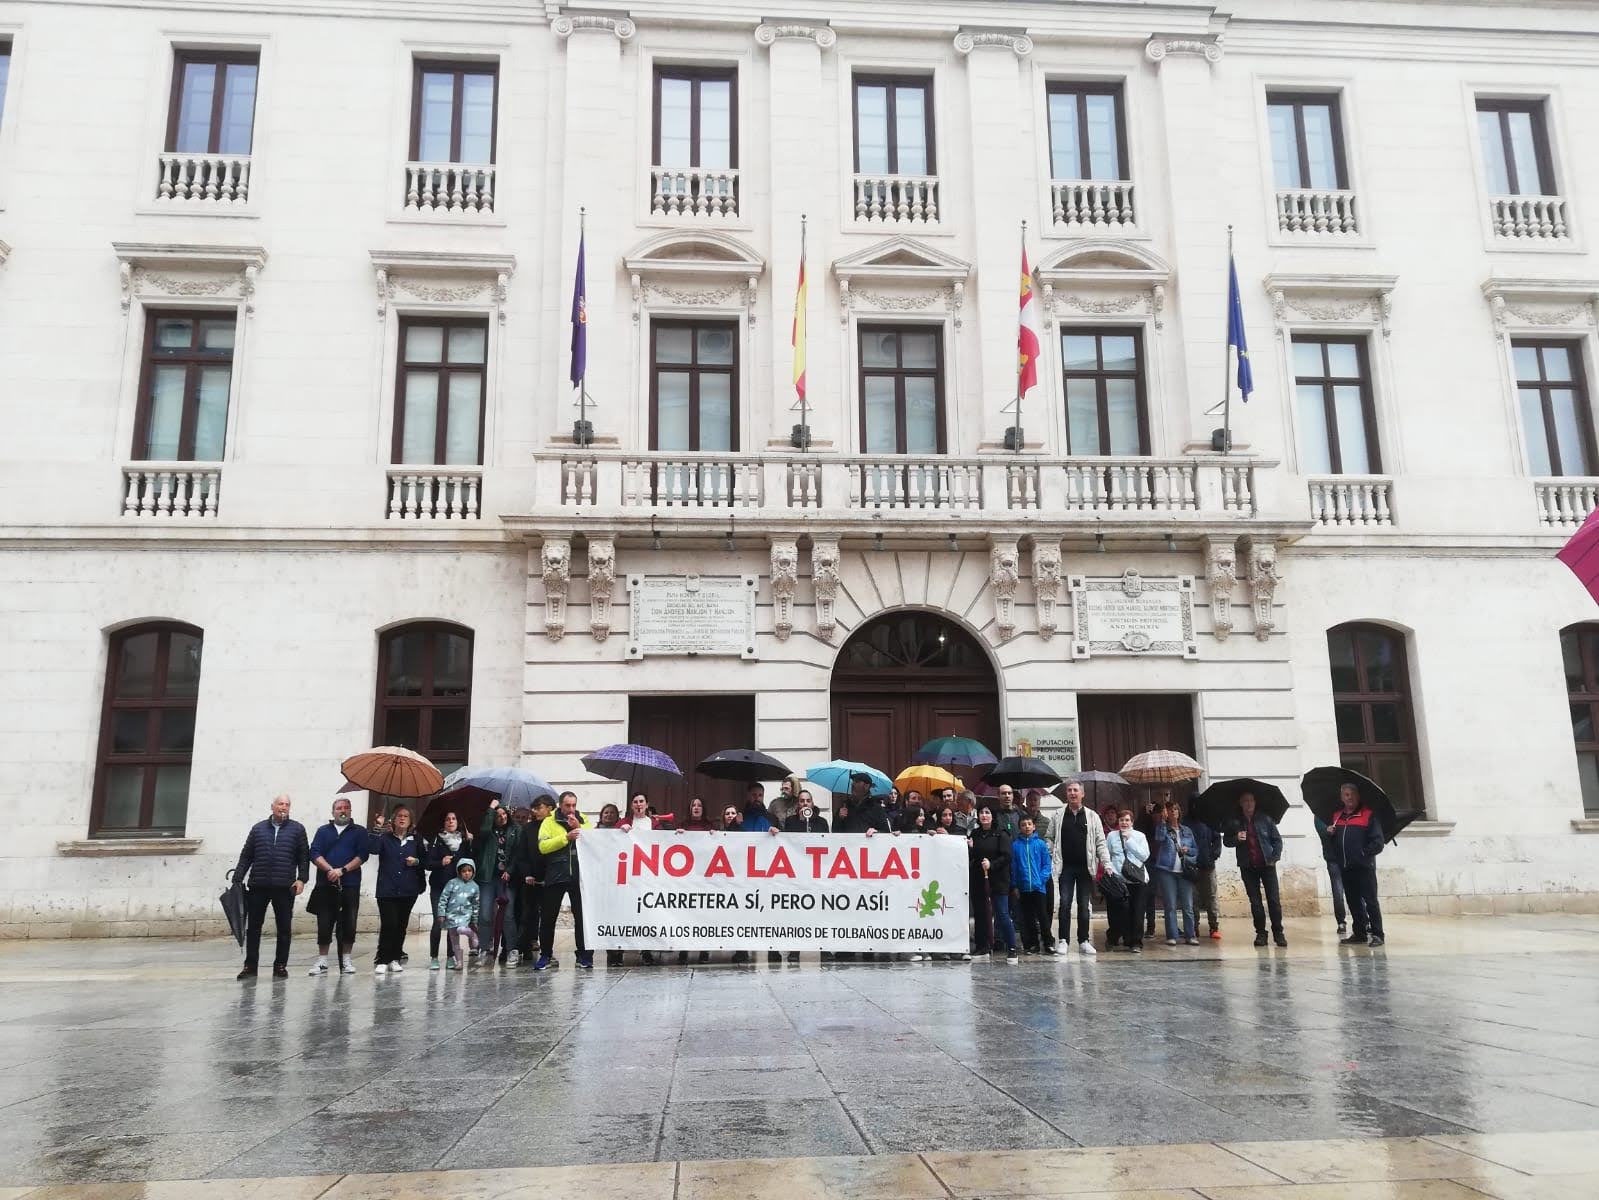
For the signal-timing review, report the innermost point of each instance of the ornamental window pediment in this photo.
(182, 273)
(901, 276)
(1531, 305)
(439, 281)
(1332, 301)
(1104, 279)
(702, 271)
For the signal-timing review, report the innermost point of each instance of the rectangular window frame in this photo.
(1067, 87)
(1369, 750)
(407, 321)
(1329, 382)
(423, 64)
(694, 369)
(1576, 348)
(1586, 637)
(191, 384)
(7, 52)
(899, 374)
(1298, 100)
(1140, 376)
(890, 81)
(1538, 108)
(696, 75)
(183, 57)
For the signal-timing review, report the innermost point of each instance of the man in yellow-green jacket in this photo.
(558, 844)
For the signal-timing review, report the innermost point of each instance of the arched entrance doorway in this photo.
(905, 678)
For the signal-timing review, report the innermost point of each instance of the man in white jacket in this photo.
(1083, 854)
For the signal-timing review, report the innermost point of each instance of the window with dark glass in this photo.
(1333, 405)
(902, 389)
(5, 75)
(182, 413)
(1105, 405)
(425, 692)
(453, 111)
(694, 385)
(696, 117)
(1087, 137)
(442, 373)
(1553, 397)
(1515, 147)
(1307, 141)
(1372, 710)
(1579, 648)
(893, 126)
(213, 102)
(152, 688)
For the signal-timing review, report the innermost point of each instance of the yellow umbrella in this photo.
(925, 779)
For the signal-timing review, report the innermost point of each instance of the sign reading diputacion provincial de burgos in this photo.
(761, 891)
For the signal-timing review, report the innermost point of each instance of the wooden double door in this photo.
(691, 728)
(885, 729)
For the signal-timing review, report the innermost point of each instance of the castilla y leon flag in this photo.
(1581, 554)
(580, 319)
(1030, 339)
(797, 335)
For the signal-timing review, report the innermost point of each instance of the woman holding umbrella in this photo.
(400, 882)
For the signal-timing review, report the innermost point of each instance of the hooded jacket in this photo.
(458, 902)
(1030, 864)
(560, 855)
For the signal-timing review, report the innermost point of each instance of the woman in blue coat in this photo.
(402, 877)
(1175, 845)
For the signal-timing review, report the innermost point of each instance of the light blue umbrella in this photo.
(835, 776)
(515, 787)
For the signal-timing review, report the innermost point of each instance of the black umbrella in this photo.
(1022, 772)
(743, 766)
(1218, 804)
(233, 907)
(1320, 787)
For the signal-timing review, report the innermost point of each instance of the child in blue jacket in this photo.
(1030, 869)
(458, 905)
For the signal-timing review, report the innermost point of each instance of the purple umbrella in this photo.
(633, 765)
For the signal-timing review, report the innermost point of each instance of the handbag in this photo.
(1113, 886)
(1132, 872)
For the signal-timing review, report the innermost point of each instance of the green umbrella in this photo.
(954, 752)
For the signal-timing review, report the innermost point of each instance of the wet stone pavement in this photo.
(145, 1060)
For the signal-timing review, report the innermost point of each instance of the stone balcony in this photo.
(1564, 502)
(1086, 206)
(1316, 211)
(202, 181)
(694, 193)
(1351, 500)
(904, 200)
(449, 189)
(435, 493)
(176, 490)
(1529, 219)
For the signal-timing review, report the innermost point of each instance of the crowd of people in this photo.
(496, 895)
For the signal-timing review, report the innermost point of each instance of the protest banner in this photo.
(754, 891)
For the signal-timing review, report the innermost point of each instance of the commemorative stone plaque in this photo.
(691, 615)
(1133, 615)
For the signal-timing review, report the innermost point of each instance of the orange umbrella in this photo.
(924, 779)
(1160, 766)
(392, 771)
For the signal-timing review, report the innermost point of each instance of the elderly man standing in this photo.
(277, 860)
(1082, 853)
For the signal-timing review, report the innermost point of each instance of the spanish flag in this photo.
(798, 334)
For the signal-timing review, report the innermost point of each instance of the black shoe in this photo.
(1354, 939)
(793, 956)
(1376, 940)
(1279, 938)
(1260, 938)
(613, 958)
(405, 958)
(773, 958)
(649, 958)
(247, 973)
(682, 958)
(280, 972)
(827, 956)
(741, 956)
(705, 956)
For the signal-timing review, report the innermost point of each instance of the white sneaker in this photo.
(513, 958)
(381, 969)
(347, 967)
(1012, 959)
(1061, 948)
(1086, 948)
(396, 967)
(319, 967)
(916, 958)
(1171, 941)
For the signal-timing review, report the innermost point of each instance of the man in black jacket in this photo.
(866, 814)
(277, 858)
(527, 868)
(1208, 842)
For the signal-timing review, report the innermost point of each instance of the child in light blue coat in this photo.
(458, 907)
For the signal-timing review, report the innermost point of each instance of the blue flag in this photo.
(1235, 330)
(580, 320)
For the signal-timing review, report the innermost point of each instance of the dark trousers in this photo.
(394, 914)
(344, 919)
(437, 932)
(1078, 882)
(282, 901)
(1034, 913)
(1125, 914)
(1360, 884)
(1147, 913)
(1256, 881)
(1205, 895)
(552, 909)
(529, 915)
(1335, 880)
(1003, 930)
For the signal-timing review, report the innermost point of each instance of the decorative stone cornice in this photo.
(766, 34)
(443, 277)
(1345, 299)
(1527, 304)
(567, 24)
(1157, 49)
(181, 269)
(968, 40)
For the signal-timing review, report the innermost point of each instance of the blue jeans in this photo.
(489, 891)
(1335, 877)
(1004, 929)
(1176, 892)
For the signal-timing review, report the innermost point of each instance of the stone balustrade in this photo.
(1352, 500)
(691, 481)
(1564, 502)
(1092, 206)
(1529, 218)
(1139, 485)
(435, 493)
(693, 192)
(891, 481)
(449, 188)
(171, 489)
(1316, 210)
(897, 199)
(222, 179)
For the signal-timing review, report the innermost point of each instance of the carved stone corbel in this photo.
(824, 578)
(1157, 49)
(557, 569)
(1263, 581)
(1221, 573)
(383, 292)
(1018, 44)
(1003, 573)
(785, 579)
(751, 294)
(502, 289)
(565, 25)
(247, 289)
(1046, 585)
(602, 577)
(766, 34)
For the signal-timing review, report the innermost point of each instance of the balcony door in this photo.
(693, 407)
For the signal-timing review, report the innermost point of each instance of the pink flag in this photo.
(1581, 554)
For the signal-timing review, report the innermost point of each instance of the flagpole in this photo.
(1017, 443)
(1226, 358)
(583, 385)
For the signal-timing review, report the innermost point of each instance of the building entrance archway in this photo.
(906, 677)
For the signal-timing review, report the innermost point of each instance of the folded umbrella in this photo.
(1218, 804)
(1320, 787)
(233, 907)
(924, 779)
(835, 776)
(1022, 772)
(743, 766)
(392, 771)
(634, 765)
(470, 791)
(1161, 766)
(955, 752)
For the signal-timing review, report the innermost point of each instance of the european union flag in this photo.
(580, 320)
(1235, 330)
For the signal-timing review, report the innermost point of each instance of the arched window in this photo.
(1579, 646)
(425, 691)
(152, 688)
(1372, 707)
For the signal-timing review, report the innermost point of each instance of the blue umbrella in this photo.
(955, 752)
(835, 776)
(468, 792)
(632, 765)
